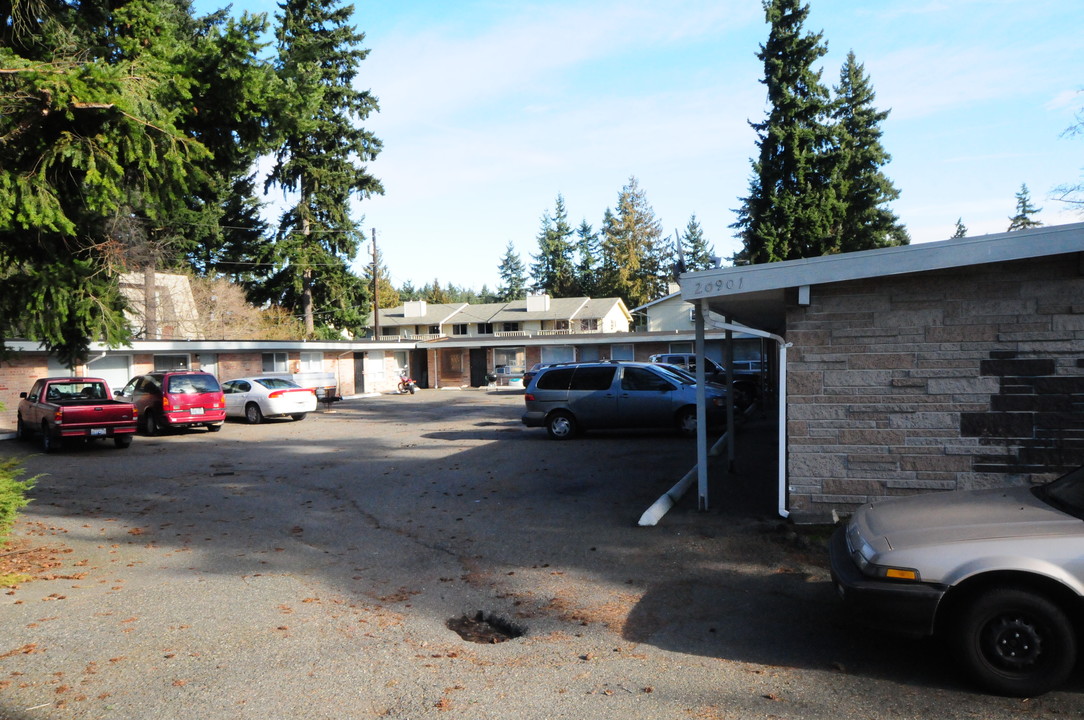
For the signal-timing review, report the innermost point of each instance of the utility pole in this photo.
(376, 292)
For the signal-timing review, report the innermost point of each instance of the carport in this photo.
(762, 299)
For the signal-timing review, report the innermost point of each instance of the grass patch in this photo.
(12, 579)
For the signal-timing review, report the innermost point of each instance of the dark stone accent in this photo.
(1031, 403)
(1036, 420)
(998, 425)
(1017, 368)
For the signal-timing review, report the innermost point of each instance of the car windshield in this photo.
(1066, 493)
(677, 372)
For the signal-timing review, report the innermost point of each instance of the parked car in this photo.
(567, 399)
(74, 407)
(175, 399)
(255, 398)
(998, 574)
(746, 379)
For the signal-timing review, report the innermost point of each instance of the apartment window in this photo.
(312, 362)
(589, 324)
(274, 362)
(459, 329)
(385, 330)
(511, 327)
(622, 352)
(485, 328)
(170, 362)
(560, 324)
(434, 330)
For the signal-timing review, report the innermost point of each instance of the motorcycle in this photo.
(407, 384)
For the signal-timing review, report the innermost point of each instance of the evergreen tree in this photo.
(387, 295)
(552, 270)
(103, 161)
(1022, 220)
(635, 253)
(435, 294)
(587, 261)
(513, 276)
(792, 210)
(694, 248)
(320, 162)
(961, 229)
(864, 190)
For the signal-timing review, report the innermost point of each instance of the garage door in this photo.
(114, 369)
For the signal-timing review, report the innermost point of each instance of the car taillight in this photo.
(220, 401)
(276, 394)
(166, 405)
(529, 397)
(58, 416)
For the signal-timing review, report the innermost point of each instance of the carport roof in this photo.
(755, 295)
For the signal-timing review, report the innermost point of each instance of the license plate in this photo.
(196, 411)
(95, 432)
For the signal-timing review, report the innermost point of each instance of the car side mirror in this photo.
(22, 395)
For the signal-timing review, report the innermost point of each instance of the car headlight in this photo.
(865, 556)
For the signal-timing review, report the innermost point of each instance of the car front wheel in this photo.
(1016, 642)
(561, 426)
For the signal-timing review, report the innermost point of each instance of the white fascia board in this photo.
(924, 257)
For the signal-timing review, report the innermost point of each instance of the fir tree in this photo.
(320, 162)
(961, 229)
(513, 276)
(694, 248)
(792, 210)
(587, 261)
(632, 245)
(1022, 220)
(859, 156)
(552, 270)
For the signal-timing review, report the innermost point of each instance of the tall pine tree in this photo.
(513, 276)
(552, 270)
(587, 261)
(1023, 220)
(636, 261)
(792, 210)
(321, 164)
(694, 247)
(864, 189)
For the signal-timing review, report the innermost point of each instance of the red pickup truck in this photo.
(75, 407)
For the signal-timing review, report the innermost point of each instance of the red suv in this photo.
(176, 399)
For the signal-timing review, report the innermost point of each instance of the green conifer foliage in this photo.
(1023, 219)
(321, 164)
(863, 188)
(793, 209)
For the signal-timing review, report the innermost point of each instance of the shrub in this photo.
(12, 494)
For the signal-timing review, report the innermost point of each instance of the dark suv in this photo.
(568, 398)
(176, 399)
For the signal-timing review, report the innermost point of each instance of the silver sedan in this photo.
(256, 398)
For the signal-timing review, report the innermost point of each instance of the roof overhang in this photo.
(756, 295)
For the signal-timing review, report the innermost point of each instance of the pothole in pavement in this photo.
(485, 629)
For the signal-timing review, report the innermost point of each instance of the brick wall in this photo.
(936, 381)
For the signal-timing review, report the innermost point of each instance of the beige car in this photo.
(999, 574)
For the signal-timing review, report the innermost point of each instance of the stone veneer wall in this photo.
(935, 381)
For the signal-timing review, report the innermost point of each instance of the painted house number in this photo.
(705, 288)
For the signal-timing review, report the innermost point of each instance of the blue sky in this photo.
(490, 109)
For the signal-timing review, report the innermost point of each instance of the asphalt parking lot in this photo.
(321, 569)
